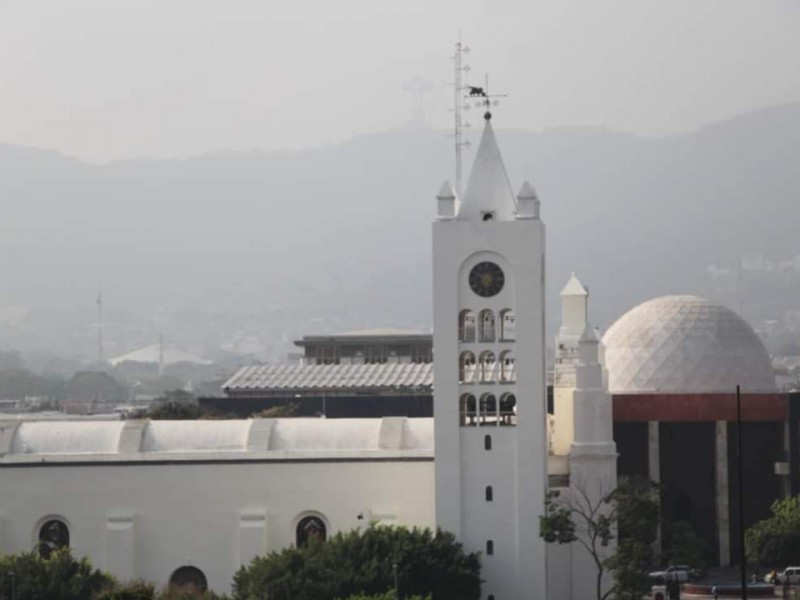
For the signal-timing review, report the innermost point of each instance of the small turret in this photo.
(446, 201)
(528, 205)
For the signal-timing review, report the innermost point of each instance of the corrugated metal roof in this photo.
(300, 376)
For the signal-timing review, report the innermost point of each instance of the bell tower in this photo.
(490, 388)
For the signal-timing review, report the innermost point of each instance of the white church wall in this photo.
(146, 520)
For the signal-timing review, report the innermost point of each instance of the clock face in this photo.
(486, 279)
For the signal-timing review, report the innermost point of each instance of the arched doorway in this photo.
(190, 579)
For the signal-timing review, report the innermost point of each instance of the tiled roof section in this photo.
(330, 377)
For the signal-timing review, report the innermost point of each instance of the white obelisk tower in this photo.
(490, 389)
(593, 455)
(574, 313)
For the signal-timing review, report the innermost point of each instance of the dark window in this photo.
(310, 528)
(489, 493)
(467, 410)
(489, 547)
(188, 579)
(487, 442)
(490, 597)
(53, 535)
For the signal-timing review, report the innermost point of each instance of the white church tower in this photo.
(574, 318)
(490, 389)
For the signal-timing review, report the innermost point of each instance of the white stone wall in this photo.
(146, 520)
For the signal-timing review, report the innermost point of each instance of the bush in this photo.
(363, 562)
(59, 577)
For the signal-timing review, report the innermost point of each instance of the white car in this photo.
(790, 575)
(678, 573)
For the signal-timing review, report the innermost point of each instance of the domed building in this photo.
(673, 364)
(685, 345)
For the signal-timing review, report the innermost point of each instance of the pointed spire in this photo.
(574, 287)
(527, 202)
(446, 202)
(488, 192)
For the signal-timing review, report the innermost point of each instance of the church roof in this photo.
(488, 186)
(291, 438)
(332, 377)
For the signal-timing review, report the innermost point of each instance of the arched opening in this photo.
(188, 579)
(488, 367)
(486, 326)
(507, 370)
(487, 442)
(466, 367)
(488, 409)
(310, 528)
(489, 547)
(466, 326)
(467, 410)
(489, 494)
(507, 325)
(53, 535)
(508, 409)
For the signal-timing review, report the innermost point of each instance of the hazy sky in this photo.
(108, 79)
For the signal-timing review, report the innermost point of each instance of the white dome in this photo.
(685, 344)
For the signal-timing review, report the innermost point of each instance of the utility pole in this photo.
(742, 560)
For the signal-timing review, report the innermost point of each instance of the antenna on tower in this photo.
(458, 104)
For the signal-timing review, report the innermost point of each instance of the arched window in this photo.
(486, 326)
(466, 367)
(488, 367)
(489, 493)
(466, 326)
(487, 442)
(489, 547)
(508, 409)
(188, 579)
(467, 410)
(310, 528)
(507, 325)
(488, 409)
(53, 535)
(507, 371)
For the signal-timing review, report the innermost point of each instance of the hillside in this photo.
(335, 238)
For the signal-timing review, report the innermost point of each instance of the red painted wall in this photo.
(698, 407)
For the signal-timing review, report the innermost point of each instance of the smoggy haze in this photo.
(108, 80)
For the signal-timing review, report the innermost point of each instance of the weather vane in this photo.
(487, 100)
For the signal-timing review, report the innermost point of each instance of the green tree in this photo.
(172, 411)
(279, 411)
(59, 577)
(133, 590)
(631, 509)
(776, 540)
(684, 546)
(364, 562)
